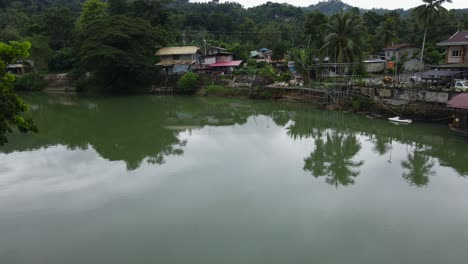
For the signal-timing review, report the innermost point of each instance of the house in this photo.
(400, 50)
(374, 65)
(19, 67)
(218, 60)
(262, 54)
(456, 50)
(408, 52)
(177, 60)
(217, 54)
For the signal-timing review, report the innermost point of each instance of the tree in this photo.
(12, 107)
(388, 32)
(118, 7)
(312, 28)
(269, 36)
(427, 15)
(40, 52)
(345, 38)
(118, 51)
(57, 23)
(188, 82)
(93, 10)
(151, 10)
(303, 62)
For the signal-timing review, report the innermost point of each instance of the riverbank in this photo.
(376, 100)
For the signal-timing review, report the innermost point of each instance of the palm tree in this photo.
(427, 15)
(388, 32)
(345, 37)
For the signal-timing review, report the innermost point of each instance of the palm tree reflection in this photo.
(333, 158)
(419, 168)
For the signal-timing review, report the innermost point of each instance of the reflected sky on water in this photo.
(204, 180)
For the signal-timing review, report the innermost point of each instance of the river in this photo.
(161, 179)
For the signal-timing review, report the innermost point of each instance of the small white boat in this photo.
(398, 120)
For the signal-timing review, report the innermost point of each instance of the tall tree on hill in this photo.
(118, 52)
(427, 15)
(345, 37)
(118, 7)
(388, 31)
(92, 11)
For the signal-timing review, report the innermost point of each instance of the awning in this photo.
(452, 66)
(227, 64)
(460, 101)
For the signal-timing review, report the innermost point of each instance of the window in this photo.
(176, 57)
(456, 53)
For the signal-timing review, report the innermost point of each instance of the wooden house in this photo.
(178, 60)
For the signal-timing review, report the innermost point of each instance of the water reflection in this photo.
(419, 167)
(333, 158)
(145, 129)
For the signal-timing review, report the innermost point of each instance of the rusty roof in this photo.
(400, 46)
(459, 38)
(460, 101)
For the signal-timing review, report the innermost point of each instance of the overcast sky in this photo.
(389, 4)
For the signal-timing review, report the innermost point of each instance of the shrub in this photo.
(188, 83)
(220, 90)
(30, 82)
(261, 64)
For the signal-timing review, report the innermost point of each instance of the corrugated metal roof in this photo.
(227, 64)
(459, 38)
(177, 50)
(460, 101)
(175, 62)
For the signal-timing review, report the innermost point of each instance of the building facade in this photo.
(456, 48)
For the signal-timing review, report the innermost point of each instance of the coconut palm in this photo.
(388, 31)
(345, 37)
(427, 15)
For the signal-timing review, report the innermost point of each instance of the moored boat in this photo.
(459, 131)
(397, 119)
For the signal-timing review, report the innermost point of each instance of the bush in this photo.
(261, 64)
(188, 83)
(30, 82)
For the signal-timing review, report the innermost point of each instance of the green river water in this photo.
(169, 180)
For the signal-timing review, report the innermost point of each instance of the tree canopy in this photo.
(118, 52)
(12, 108)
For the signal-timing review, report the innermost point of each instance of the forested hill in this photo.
(331, 7)
(106, 36)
